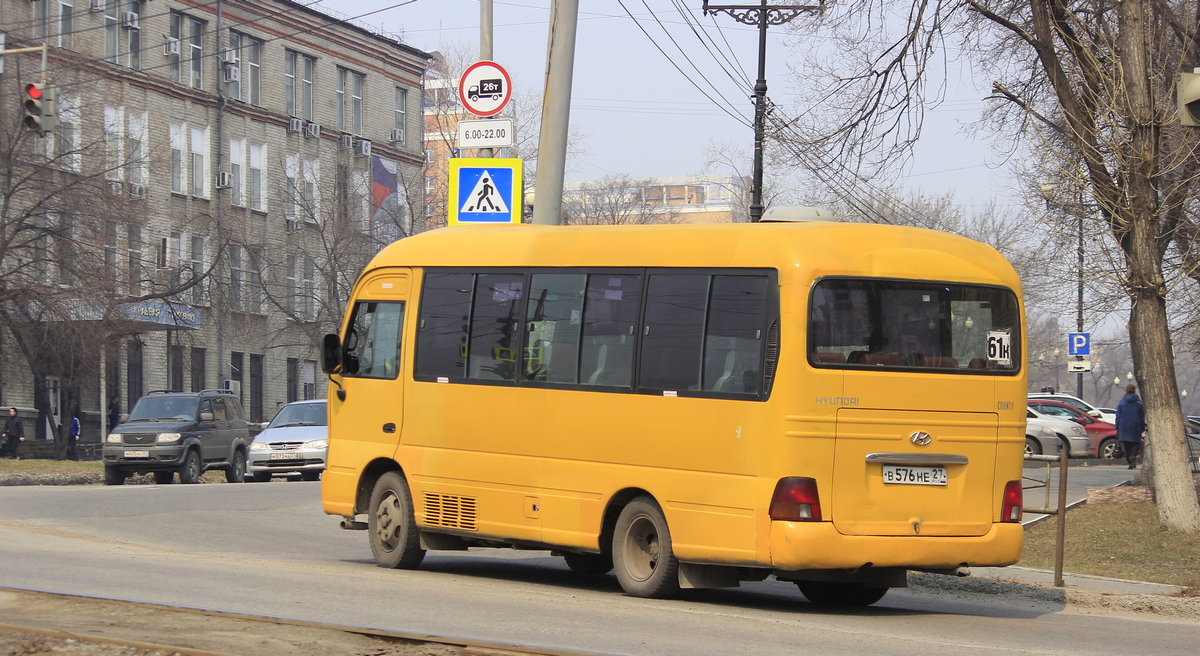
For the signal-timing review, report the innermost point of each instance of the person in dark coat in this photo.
(1131, 423)
(14, 432)
(114, 412)
(73, 431)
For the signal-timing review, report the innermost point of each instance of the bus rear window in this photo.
(914, 325)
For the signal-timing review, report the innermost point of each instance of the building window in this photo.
(235, 276)
(308, 378)
(110, 270)
(245, 53)
(68, 117)
(254, 281)
(136, 139)
(291, 201)
(176, 134)
(401, 112)
(293, 379)
(112, 29)
(311, 178)
(66, 23)
(199, 171)
(233, 88)
(133, 373)
(430, 184)
(310, 294)
(289, 82)
(112, 143)
(256, 388)
(134, 37)
(199, 378)
(298, 75)
(289, 301)
(255, 182)
(350, 87)
(134, 237)
(175, 367)
(236, 148)
(235, 370)
(197, 270)
(429, 156)
(195, 49)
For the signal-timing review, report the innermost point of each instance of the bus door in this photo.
(365, 414)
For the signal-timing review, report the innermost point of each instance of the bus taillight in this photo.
(795, 500)
(1011, 510)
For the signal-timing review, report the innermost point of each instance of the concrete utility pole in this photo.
(556, 113)
(485, 47)
(761, 15)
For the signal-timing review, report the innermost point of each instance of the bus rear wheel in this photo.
(642, 556)
(840, 594)
(392, 526)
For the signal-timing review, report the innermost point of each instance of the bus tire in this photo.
(840, 594)
(392, 526)
(642, 556)
(589, 564)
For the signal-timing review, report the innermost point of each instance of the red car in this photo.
(1102, 436)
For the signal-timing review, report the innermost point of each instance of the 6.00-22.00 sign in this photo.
(488, 133)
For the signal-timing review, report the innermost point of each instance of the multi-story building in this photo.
(678, 199)
(219, 173)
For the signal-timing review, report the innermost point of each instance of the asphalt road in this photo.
(267, 548)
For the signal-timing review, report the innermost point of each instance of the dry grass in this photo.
(1119, 540)
(25, 466)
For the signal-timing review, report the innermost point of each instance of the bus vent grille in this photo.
(772, 358)
(450, 511)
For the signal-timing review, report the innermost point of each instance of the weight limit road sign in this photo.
(485, 88)
(485, 190)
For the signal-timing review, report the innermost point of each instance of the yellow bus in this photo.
(828, 403)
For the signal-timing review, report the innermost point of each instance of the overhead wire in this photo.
(733, 114)
(698, 30)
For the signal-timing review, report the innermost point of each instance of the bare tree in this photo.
(618, 200)
(1088, 86)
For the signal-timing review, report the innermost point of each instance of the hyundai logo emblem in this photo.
(920, 438)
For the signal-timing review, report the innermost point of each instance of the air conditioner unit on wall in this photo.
(233, 72)
(362, 147)
(346, 141)
(97, 5)
(171, 46)
(224, 180)
(292, 225)
(131, 21)
(397, 135)
(115, 187)
(137, 192)
(295, 125)
(312, 130)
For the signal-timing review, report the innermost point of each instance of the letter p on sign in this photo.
(1079, 344)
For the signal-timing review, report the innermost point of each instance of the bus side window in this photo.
(494, 325)
(442, 325)
(735, 330)
(373, 340)
(673, 335)
(554, 319)
(610, 317)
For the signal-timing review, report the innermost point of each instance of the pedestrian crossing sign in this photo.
(484, 190)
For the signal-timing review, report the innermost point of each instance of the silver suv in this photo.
(184, 432)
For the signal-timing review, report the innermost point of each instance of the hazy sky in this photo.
(648, 114)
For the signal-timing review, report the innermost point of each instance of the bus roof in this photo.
(810, 249)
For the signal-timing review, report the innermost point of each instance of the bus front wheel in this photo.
(392, 526)
(642, 556)
(840, 594)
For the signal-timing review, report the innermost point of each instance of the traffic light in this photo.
(1187, 99)
(39, 108)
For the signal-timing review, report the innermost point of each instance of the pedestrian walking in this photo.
(73, 436)
(1131, 424)
(114, 412)
(14, 432)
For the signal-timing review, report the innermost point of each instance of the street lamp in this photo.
(1117, 380)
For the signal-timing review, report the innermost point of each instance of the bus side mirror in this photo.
(331, 354)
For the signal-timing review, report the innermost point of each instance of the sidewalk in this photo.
(1095, 583)
(1079, 478)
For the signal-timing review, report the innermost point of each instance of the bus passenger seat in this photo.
(977, 363)
(601, 357)
(726, 381)
(937, 361)
(829, 358)
(890, 359)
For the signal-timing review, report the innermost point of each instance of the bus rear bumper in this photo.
(818, 545)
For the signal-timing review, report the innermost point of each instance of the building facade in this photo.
(218, 175)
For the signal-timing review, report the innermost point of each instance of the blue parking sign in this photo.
(1079, 343)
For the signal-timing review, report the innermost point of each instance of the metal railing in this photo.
(1060, 512)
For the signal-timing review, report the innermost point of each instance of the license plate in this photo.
(285, 456)
(137, 454)
(906, 475)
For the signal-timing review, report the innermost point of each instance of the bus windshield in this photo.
(914, 325)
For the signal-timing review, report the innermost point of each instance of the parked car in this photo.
(184, 432)
(1103, 414)
(295, 442)
(1102, 436)
(1074, 437)
(1040, 440)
